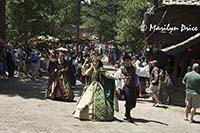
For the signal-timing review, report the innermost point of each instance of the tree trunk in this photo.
(3, 19)
(78, 24)
(25, 25)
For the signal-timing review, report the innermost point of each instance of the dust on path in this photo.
(23, 109)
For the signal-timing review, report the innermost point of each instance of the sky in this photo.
(88, 1)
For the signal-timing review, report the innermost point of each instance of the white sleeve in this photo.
(118, 73)
(142, 71)
(137, 63)
(119, 84)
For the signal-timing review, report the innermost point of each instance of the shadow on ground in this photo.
(197, 113)
(196, 122)
(141, 120)
(24, 88)
(28, 89)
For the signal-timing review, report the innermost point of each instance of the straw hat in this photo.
(62, 49)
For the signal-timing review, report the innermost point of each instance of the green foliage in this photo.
(128, 23)
(2, 20)
(51, 17)
(100, 18)
(117, 20)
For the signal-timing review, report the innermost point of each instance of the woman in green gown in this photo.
(98, 101)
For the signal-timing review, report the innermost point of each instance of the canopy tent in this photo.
(188, 43)
(43, 40)
(62, 49)
(89, 37)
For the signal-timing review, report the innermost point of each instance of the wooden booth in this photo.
(174, 29)
(173, 32)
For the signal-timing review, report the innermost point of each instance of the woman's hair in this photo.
(154, 63)
(100, 64)
(61, 55)
(98, 60)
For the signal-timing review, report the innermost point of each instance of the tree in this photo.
(116, 20)
(129, 20)
(100, 18)
(28, 18)
(109, 19)
(3, 19)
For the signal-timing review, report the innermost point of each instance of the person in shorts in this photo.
(192, 82)
(154, 81)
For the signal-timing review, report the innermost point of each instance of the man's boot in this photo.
(128, 116)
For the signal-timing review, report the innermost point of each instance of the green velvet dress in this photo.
(98, 101)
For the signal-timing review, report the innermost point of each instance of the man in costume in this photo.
(128, 72)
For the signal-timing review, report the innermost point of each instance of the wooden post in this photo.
(175, 67)
(184, 61)
(3, 19)
(78, 23)
(25, 19)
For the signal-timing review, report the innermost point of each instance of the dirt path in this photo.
(23, 109)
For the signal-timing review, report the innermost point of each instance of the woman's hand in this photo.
(92, 65)
(87, 60)
(62, 70)
(123, 76)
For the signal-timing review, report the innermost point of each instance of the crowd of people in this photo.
(134, 77)
(101, 90)
(14, 60)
